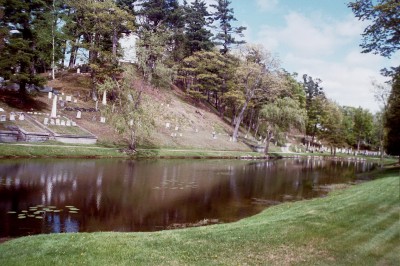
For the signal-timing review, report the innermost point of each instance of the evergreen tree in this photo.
(20, 54)
(393, 119)
(226, 32)
(197, 19)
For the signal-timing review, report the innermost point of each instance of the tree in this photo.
(331, 126)
(257, 77)
(225, 36)
(19, 24)
(393, 119)
(132, 112)
(362, 127)
(198, 37)
(381, 94)
(280, 116)
(101, 23)
(383, 35)
(315, 101)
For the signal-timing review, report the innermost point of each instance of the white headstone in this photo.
(176, 128)
(1, 109)
(197, 130)
(73, 123)
(104, 102)
(21, 117)
(68, 123)
(3, 118)
(79, 115)
(230, 139)
(62, 93)
(52, 121)
(54, 107)
(167, 125)
(102, 119)
(131, 122)
(62, 123)
(46, 121)
(68, 98)
(61, 98)
(245, 136)
(57, 122)
(12, 116)
(180, 134)
(75, 100)
(78, 70)
(50, 95)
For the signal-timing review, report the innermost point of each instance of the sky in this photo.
(319, 38)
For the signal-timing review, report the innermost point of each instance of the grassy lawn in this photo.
(356, 226)
(48, 151)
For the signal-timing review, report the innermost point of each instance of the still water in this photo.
(52, 196)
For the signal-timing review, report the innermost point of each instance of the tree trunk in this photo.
(239, 121)
(358, 145)
(251, 121)
(268, 141)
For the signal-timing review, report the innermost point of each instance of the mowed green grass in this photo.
(356, 226)
(61, 151)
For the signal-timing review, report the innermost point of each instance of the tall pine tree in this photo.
(226, 32)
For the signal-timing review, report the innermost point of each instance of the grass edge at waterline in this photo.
(358, 225)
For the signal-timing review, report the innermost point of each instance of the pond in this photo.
(53, 195)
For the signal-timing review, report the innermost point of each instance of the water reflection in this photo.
(120, 195)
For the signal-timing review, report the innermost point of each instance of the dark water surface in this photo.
(122, 195)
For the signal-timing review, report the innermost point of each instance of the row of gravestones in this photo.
(13, 117)
(174, 134)
(58, 122)
(68, 98)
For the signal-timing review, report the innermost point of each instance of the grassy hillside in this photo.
(356, 226)
(194, 124)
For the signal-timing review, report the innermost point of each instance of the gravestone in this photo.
(54, 107)
(131, 122)
(78, 70)
(46, 121)
(104, 102)
(61, 98)
(3, 118)
(230, 139)
(52, 121)
(180, 135)
(79, 115)
(68, 98)
(50, 95)
(176, 128)
(197, 130)
(21, 117)
(167, 125)
(102, 119)
(214, 135)
(73, 124)
(75, 100)
(62, 123)
(68, 123)
(12, 117)
(245, 136)
(1, 109)
(57, 122)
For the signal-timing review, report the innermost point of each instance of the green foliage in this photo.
(383, 35)
(132, 115)
(363, 123)
(280, 116)
(20, 26)
(331, 125)
(226, 32)
(198, 37)
(393, 119)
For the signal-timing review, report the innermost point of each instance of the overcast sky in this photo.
(316, 37)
